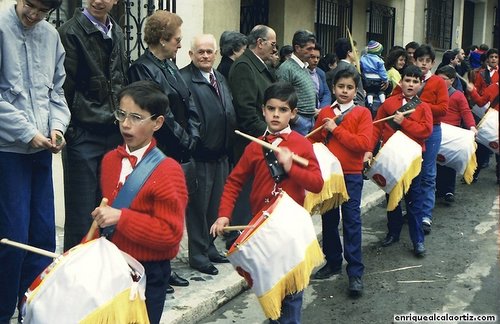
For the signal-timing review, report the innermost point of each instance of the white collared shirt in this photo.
(276, 142)
(126, 166)
(206, 75)
(341, 107)
(303, 65)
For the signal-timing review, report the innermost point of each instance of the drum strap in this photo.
(451, 91)
(278, 173)
(414, 102)
(338, 120)
(134, 183)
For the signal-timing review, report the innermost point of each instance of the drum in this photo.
(277, 254)
(396, 164)
(487, 130)
(334, 192)
(457, 150)
(93, 282)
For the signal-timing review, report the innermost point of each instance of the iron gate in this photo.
(332, 18)
(381, 24)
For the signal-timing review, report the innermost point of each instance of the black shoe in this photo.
(389, 240)
(219, 259)
(327, 271)
(207, 269)
(355, 286)
(176, 280)
(426, 226)
(419, 250)
(449, 198)
(170, 289)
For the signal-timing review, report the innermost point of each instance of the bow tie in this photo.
(493, 69)
(271, 137)
(407, 98)
(123, 154)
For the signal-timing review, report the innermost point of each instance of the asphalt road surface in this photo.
(459, 276)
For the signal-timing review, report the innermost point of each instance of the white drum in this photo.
(487, 130)
(396, 164)
(334, 191)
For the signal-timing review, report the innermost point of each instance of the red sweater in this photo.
(151, 228)
(252, 163)
(481, 84)
(458, 110)
(350, 140)
(436, 95)
(489, 94)
(417, 126)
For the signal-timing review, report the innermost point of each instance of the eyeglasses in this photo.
(273, 44)
(41, 13)
(133, 118)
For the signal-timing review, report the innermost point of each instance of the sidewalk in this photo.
(207, 293)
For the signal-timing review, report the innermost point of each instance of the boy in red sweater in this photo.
(151, 228)
(417, 126)
(347, 130)
(279, 108)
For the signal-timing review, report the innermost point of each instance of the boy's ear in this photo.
(295, 111)
(159, 122)
(263, 112)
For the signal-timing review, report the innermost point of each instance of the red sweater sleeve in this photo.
(489, 94)
(435, 94)
(151, 228)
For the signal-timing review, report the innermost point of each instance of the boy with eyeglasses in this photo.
(34, 118)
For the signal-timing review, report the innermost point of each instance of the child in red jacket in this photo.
(151, 228)
(347, 130)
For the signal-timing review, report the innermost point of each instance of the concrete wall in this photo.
(286, 17)
(191, 27)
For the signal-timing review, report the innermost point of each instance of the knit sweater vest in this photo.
(299, 77)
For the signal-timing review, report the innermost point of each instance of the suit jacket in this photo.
(248, 79)
(217, 116)
(324, 95)
(342, 65)
(180, 133)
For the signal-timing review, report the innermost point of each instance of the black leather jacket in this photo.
(96, 70)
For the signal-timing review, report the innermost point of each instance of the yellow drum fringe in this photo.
(333, 194)
(120, 310)
(471, 167)
(402, 186)
(294, 281)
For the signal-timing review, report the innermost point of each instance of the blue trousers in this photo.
(26, 216)
(351, 225)
(157, 276)
(413, 210)
(428, 173)
(291, 308)
(303, 124)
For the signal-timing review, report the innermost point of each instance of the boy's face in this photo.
(447, 80)
(492, 60)
(277, 114)
(138, 127)
(31, 12)
(425, 63)
(345, 90)
(409, 85)
(100, 8)
(314, 59)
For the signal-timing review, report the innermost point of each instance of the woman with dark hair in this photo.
(394, 63)
(232, 45)
(328, 62)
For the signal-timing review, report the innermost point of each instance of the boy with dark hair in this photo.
(417, 126)
(150, 228)
(34, 117)
(279, 108)
(347, 130)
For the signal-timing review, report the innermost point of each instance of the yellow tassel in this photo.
(119, 310)
(294, 281)
(471, 167)
(402, 186)
(333, 194)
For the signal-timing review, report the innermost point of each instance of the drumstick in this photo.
(315, 131)
(30, 248)
(391, 117)
(93, 228)
(236, 228)
(296, 158)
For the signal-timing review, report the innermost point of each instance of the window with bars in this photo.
(332, 19)
(439, 23)
(252, 13)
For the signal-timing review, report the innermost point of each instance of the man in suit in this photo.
(346, 56)
(213, 99)
(178, 136)
(318, 76)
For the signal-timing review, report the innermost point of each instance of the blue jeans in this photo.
(303, 124)
(291, 308)
(351, 224)
(26, 216)
(428, 172)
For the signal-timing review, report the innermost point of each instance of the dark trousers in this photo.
(351, 225)
(82, 168)
(291, 309)
(241, 213)
(203, 209)
(445, 180)
(413, 210)
(157, 275)
(26, 216)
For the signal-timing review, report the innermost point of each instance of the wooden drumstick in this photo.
(295, 157)
(392, 116)
(236, 228)
(315, 131)
(30, 248)
(93, 228)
